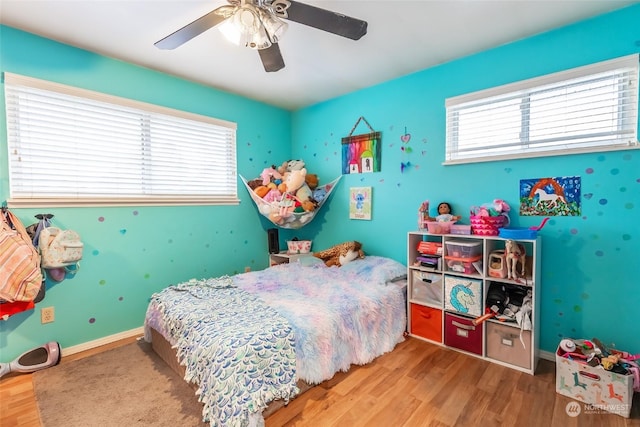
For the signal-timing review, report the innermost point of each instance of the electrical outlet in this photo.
(47, 315)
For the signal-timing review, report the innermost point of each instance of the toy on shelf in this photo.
(486, 220)
(440, 224)
(515, 253)
(423, 215)
(497, 264)
(445, 213)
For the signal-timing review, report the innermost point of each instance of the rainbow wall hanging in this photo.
(361, 153)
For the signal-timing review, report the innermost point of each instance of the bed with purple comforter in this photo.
(245, 340)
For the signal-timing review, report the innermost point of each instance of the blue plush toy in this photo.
(319, 194)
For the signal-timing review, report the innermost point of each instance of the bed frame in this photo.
(167, 353)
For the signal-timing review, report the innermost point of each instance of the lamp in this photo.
(256, 27)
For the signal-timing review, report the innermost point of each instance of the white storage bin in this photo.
(426, 288)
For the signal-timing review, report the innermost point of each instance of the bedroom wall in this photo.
(589, 282)
(132, 252)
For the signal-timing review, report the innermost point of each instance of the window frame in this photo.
(176, 197)
(520, 90)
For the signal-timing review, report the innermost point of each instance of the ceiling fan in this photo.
(258, 24)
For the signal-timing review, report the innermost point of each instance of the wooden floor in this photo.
(418, 384)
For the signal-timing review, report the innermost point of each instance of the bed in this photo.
(253, 341)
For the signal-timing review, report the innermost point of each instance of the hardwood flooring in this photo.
(418, 384)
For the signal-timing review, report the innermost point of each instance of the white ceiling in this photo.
(403, 37)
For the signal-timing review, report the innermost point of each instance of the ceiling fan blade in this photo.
(195, 28)
(271, 58)
(326, 20)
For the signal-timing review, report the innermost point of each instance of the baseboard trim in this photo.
(547, 355)
(68, 351)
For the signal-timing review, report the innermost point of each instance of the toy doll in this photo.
(445, 214)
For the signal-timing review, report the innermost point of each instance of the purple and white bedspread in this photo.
(246, 339)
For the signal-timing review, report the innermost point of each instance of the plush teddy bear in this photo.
(290, 165)
(341, 254)
(311, 180)
(308, 205)
(294, 180)
(255, 183)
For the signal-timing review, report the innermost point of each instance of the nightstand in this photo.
(284, 257)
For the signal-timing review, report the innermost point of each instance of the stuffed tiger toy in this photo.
(341, 254)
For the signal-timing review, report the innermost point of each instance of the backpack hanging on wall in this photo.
(20, 272)
(59, 248)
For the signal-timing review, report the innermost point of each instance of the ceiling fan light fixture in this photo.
(244, 28)
(274, 26)
(259, 40)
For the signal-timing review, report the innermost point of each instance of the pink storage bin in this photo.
(439, 227)
(487, 225)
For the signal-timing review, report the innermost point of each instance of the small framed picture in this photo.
(360, 203)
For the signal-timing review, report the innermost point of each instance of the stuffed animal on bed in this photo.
(341, 254)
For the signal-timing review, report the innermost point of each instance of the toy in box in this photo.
(439, 227)
(430, 248)
(464, 265)
(601, 389)
(463, 295)
(463, 248)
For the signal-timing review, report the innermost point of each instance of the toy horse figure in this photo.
(514, 253)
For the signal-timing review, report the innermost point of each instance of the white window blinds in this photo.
(70, 146)
(591, 108)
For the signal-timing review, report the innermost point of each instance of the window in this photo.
(73, 147)
(586, 109)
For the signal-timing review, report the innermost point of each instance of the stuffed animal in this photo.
(261, 191)
(295, 165)
(304, 193)
(311, 180)
(255, 183)
(319, 194)
(309, 205)
(269, 175)
(295, 179)
(341, 254)
(290, 165)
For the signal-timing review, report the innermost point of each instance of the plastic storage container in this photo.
(439, 227)
(463, 249)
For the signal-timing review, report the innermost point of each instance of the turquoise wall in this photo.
(590, 287)
(132, 252)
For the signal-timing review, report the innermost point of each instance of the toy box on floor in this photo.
(581, 375)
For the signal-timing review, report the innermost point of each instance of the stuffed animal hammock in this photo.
(278, 213)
